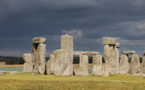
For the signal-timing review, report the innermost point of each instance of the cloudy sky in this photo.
(87, 20)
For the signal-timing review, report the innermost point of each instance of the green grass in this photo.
(27, 81)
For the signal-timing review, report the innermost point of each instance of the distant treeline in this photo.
(19, 60)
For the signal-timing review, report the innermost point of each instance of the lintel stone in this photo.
(38, 40)
(109, 40)
(129, 52)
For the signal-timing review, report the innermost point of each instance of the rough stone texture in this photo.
(101, 73)
(81, 72)
(143, 64)
(28, 66)
(85, 53)
(67, 43)
(62, 62)
(117, 45)
(128, 52)
(48, 65)
(135, 64)
(38, 40)
(14, 72)
(52, 65)
(2, 73)
(38, 58)
(116, 50)
(124, 65)
(109, 40)
(107, 57)
(113, 67)
(84, 62)
(97, 64)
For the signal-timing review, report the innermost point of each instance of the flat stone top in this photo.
(38, 40)
(129, 52)
(85, 53)
(117, 45)
(109, 40)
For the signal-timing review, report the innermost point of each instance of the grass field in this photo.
(51, 82)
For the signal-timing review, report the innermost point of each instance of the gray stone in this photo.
(52, 65)
(28, 66)
(81, 72)
(62, 62)
(113, 67)
(2, 73)
(85, 53)
(84, 62)
(117, 45)
(124, 65)
(38, 58)
(116, 50)
(135, 64)
(128, 52)
(97, 64)
(67, 43)
(109, 40)
(143, 64)
(14, 72)
(38, 40)
(48, 69)
(107, 57)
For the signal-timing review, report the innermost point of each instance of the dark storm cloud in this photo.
(21, 20)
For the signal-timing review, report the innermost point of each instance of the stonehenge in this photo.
(60, 62)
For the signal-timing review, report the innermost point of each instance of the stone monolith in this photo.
(107, 57)
(116, 50)
(124, 65)
(135, 64)
(67, 43)
(143, 64)
(83, 62)
(28, 66)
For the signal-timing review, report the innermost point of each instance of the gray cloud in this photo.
(87, 20)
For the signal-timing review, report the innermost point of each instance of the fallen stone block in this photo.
(101, 73)
(81, 72)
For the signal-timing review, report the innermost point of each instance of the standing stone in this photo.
(143, 64)
(28, 66)
(52, 65)
(48, 67)
(67, 43)
(83, 62)
(116, 50)
(113, 67)
(124, 65)
(107, 57)
(62, 62)
(38, 55)
(135, 64)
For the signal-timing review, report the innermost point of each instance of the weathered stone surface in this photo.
(67, 43)
(38, 58)
(48, 69)
(83, 62)
(143, 64)
(109, 40)
(107, 57)
(124, 65)
(144, 53)
(113, 67)
(81, 72)
(28, 66)
(128, 52)
(116, 50)
(85, 53)
(52, 65)
(101, 73)
(39, 40)
(62, 62)
(117, 45)
(2, 73)
(135, 64)
(97, 64)
(14, 72)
